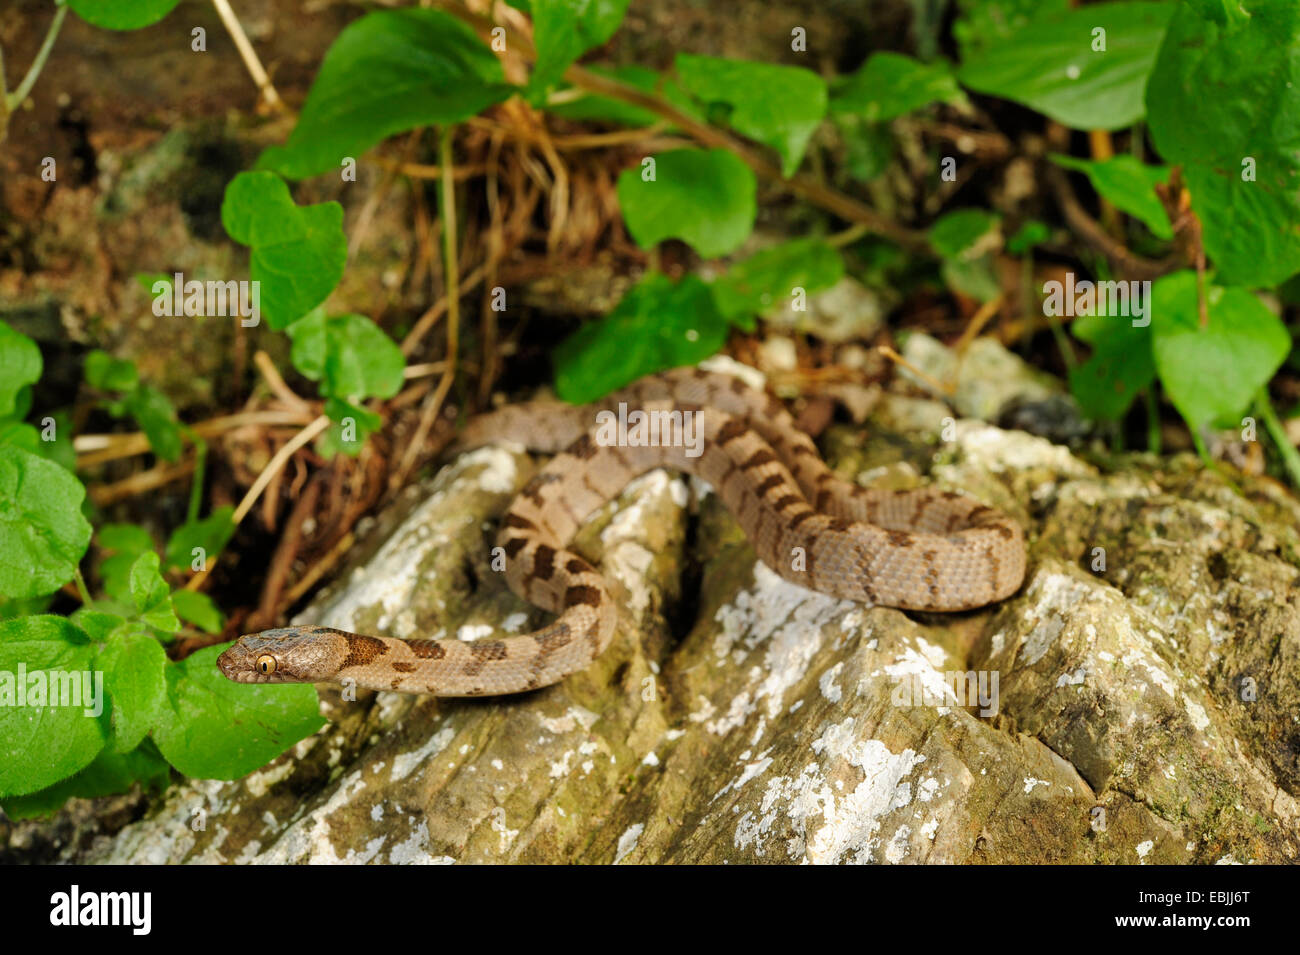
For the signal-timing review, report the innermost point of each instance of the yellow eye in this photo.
(266, 663)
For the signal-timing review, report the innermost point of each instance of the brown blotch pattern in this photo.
(730, 431)
(362, 649)
(582, 594)
(427, 649)
(518, 520)
(544, 562)
(485, 650)
(584, 448)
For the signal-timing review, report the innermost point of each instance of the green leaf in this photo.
(298, 252)
(563, 30)
(125, 538)
(108, 773)
(780, 106)
(1050, 64)
(755, 285)
(1030, 234)
(122, 14)
(972, 277)
(151, 595)
(1224, 99)
(56, 442)
(22, 403)
(20, 365)
(19, 434)
(42, 743)
(579, 105)
(128, 541)
(890, 85)
(107, 373)
(964, 233)
(1121, 365)
(157, 419)
(214, 728)
(198, 609)
(9, 609)
(985, 23)
(133, 663)
(1212, 374)
(211, 533)
(42, 531)
(705, 197)
(1129, 184)
(350, 426)
(388, 72)
(97, 624)
(657, 325)
(868, 147)
(349, 354)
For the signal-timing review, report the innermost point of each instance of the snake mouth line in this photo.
(230, 668)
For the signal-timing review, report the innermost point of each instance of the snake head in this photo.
(287, 655)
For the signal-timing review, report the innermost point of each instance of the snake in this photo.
(920, 549)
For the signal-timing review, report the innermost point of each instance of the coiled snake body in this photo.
(919, 549)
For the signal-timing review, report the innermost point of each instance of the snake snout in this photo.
(228, 664)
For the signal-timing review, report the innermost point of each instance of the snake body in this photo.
(920, 549)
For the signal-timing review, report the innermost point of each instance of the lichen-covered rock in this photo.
(983, 379)
(1134, 702)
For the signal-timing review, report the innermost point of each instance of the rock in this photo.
(848, 311)
(1100, 715)
(985, 379)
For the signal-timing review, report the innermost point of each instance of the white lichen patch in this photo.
(787, 621)
(991, 450)
(1196, 713)
(259, 783)
(405, 763)
(574, 717)
(414, 850)
(307, 839)
(1140, 656)
(818, 820)
(627, 841)
(627, 559)
(831, 690)
(911, 667)
(1055, 597)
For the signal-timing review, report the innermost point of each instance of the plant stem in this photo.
(196, 485)
(249, 55)
(82, 589)
(14, 100)
(1058, 333)
(447, 187)
(1290, 457)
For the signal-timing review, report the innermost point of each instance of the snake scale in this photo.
(920, 549)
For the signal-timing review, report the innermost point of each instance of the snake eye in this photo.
(266, 663)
